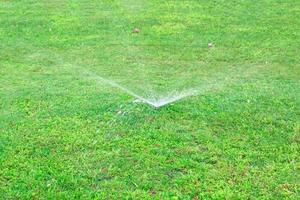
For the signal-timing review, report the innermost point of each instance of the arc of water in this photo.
(155, 102)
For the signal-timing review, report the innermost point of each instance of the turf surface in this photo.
(65, 134)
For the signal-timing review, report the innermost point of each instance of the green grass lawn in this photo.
(65, 134)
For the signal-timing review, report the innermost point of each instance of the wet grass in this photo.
(65, 135)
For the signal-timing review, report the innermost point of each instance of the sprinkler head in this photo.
(210, 45)
(136, 30)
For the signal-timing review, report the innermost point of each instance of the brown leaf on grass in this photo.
(196, 198)
(152, 192)
(104, 170)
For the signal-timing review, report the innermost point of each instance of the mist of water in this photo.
(154, 101)
(158, 101)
